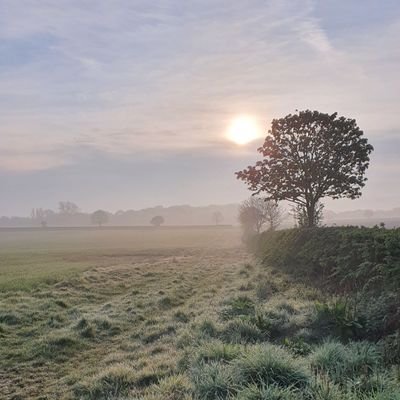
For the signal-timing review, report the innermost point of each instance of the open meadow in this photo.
(169, 314)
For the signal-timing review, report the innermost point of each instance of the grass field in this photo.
(126, 286)
(166, 314)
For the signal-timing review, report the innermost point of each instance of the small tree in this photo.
(217, 217)
(308, 156)
(40, 216)
(68, 208)
(99, 217)
(256, 212)
(157, 221)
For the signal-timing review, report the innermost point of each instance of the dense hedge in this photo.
(346, 258)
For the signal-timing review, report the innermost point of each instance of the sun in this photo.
(243, 129)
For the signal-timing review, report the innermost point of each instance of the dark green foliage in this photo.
(351, 257)
(297, 346)
(390, 348)
(345, 260)
(380, 316)
(337, 319)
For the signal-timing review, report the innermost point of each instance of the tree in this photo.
(68, 208)
(300, 215)
(41, 216)
(217, 217)
(99, 217)
(256, 212)
(308, 156)
(157, 221)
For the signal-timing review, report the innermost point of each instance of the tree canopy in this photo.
(308, 156)
(256, 212)
(158, 220)
(99, 217)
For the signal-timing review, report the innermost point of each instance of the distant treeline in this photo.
(68, 214)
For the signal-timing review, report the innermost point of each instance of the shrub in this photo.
(348, 258)
(269, 365)
(336, 319)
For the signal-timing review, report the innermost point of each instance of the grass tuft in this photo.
(269, 365)
(115, 380)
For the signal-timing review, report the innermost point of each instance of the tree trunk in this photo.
(311, 215)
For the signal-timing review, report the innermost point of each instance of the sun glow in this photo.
(243, 129)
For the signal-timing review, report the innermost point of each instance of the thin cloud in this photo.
(129, 78)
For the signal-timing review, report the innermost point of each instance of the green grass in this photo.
(169, 315)
(32, 258)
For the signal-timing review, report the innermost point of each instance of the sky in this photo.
(126, 104)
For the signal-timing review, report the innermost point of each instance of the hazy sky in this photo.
(126, 103)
